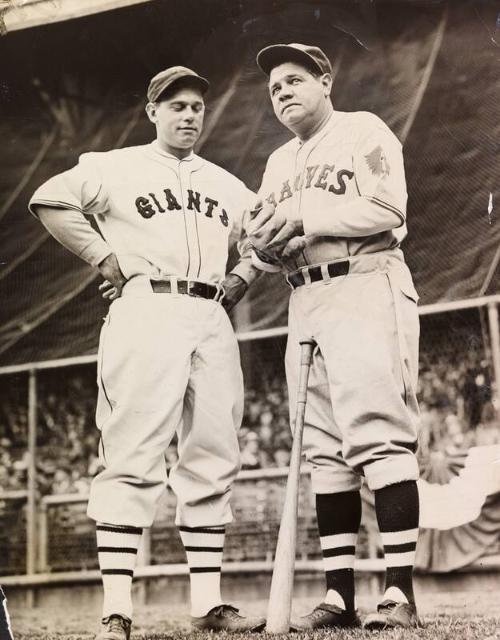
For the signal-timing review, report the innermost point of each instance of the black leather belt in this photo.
(188, 287)
(334, 269)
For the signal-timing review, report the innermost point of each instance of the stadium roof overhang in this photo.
(23, 14)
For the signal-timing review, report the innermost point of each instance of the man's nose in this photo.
(285, 93)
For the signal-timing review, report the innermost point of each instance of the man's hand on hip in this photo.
(114, 279)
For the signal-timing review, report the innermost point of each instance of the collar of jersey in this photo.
(157, 149)
(195, 162)
(326, 128)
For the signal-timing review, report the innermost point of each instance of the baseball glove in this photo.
(274, 238)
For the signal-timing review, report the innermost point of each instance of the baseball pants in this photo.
(361, 413)
(167, 363)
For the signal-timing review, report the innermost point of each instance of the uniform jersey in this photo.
(347, 185)
(160, 215)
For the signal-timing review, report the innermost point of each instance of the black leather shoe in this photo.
(226, 618)
(326, 616)
(392, 614)
(115, 627)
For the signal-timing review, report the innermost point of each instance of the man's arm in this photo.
(244, 273)
(71, 229)
(381, 202)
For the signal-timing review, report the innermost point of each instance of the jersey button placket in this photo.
(190, 221)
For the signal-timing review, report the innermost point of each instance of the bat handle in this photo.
(306, 354)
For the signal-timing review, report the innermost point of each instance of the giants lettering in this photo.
(147, 207)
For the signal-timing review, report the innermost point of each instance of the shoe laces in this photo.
(116, 623)
(331, 608)
(387, 605)
(319, 611)
(226, 610)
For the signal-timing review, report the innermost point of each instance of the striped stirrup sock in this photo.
(117, 552)
(397, 509)
(339, 518)
(204, 547)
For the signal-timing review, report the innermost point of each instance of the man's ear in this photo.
(327, 82)
(151, 111)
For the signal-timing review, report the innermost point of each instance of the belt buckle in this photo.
(190, 287)
(221, 293)
(173, 284)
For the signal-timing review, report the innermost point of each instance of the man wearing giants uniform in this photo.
(168, 358)
(333, 215)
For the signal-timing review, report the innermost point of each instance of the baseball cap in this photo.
(167, 77)
(276, 54)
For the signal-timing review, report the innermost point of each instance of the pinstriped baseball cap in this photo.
(310, 56)
(167, 77)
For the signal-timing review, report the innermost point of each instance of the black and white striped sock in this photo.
(397, 509)
(117, 552)
(339, 518)
(204, 547)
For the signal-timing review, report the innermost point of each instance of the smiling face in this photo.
(301, 101)
(178, 120)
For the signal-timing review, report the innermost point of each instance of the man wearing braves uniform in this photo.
(168, 359)
(333, 215)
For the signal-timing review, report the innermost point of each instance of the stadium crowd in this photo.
(456, 404)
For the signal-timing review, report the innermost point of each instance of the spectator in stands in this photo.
(448, 386)
(267, 442)
(488, 429)
(62, 482)
(476, 392)
(250, 454)
(282, 456)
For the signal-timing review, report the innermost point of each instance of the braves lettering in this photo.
(306, 180)
(148, 206)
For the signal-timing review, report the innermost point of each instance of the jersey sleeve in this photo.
(78, 189)
(380, 203)
(245, 268)
(65, 198)
(379, 171)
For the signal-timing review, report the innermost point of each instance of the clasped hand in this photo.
(274, 237)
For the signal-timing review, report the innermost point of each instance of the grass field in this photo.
(445, 616)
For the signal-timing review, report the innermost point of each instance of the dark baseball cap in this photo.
(167, 77)
(311, 57)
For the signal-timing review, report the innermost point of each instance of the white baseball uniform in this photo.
(167, 362)
(354, 295)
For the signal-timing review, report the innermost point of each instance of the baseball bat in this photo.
(280, 597)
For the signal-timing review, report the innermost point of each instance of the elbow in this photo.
(395, 217)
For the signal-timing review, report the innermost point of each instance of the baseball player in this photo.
(168, 359)
(333, 216)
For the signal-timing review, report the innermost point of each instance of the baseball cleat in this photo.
(225, 617)
(326, 616)
(115, 627)
(392, 614)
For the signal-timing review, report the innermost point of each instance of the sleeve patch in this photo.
(377, 162)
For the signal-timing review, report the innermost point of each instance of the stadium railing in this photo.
(36, 521)
(66, 536)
